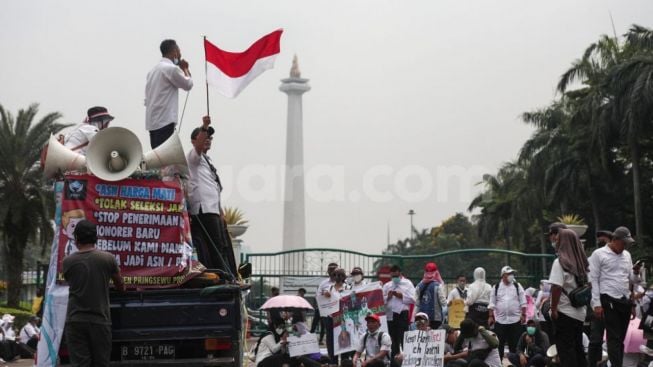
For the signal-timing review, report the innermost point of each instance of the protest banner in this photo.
(424, 348)
(142, 222)
(303, 344)
(349, 325)
(456, 313)
(327, 305)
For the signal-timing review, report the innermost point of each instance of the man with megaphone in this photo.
(208, 226)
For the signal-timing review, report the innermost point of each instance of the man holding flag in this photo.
(161, 92)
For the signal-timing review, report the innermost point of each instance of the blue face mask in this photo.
(396, 280)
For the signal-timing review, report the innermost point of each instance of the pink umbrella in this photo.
(634, 337)
(286, 301)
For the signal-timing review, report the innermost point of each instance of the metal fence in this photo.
(33, 279)
(270, 269)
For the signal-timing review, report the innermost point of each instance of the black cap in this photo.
(623, 233)
(98, 114)
(604, 233)
(210, 131)
(85, 232)
(555, 227)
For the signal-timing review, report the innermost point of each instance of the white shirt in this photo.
(80, 135)
(396, 304)
(478, 293)
(324, 286)
(611, 274)
(372, 346)
(267, 348)
(9, 333)
(567, 281)
(507, 304)
(27, 332)
(161, 94)
(203, 190)
(455, 294)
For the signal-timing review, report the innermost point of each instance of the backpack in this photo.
(254, 351)
(581, 295)
(496, 288)
(378, 342)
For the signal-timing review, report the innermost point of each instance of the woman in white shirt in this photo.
(570, 266)
(478, 298)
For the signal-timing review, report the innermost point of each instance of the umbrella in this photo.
(285, 302)
(634, 337)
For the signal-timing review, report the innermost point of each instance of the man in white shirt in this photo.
(507, 310)
(460, 291)
(326, 322)
(97, 118)
(376, 353)
(29, 335)
(208, 227)
(612, 273)
(357, 279)
(162, 92)
(399, 294)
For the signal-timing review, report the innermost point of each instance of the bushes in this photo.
(22, 316)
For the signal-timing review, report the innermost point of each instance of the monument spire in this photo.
(294, 222)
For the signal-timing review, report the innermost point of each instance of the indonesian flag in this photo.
(231, 72)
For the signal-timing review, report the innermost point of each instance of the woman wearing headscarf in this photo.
(430, 295)
(478, 298)
(570, 268)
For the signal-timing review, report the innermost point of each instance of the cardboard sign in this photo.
(328, 305)
(424, 348)
(303, 344)
(456, 313)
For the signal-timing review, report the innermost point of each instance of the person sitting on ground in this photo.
(375, 343)
(451, 358)
(8, 344)
(531, 347)
(29, 337)
(481, 345)
(272, 350)
(422, 324)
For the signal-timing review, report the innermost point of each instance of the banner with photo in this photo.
(349, 325)
(142, 222)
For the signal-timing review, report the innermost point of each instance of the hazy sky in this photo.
(411, 101)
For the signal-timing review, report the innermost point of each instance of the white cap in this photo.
(423, 315)
(507, 270)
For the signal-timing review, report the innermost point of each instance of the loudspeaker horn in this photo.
(169, 153)
(114, 154)
(59, 158)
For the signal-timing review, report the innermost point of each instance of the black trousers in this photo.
(88, 344)
(397, 327)
(616, 315)
(569, 341)
(595, 349)
(212, 242)
(328, 325)
(159, 136)
(508, 334)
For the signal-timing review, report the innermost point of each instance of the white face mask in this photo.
(175, 61)
(553, 244)
(357, 278)
(511, 278)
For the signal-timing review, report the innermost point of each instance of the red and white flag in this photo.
(231, 72)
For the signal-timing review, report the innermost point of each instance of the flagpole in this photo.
(206, 78)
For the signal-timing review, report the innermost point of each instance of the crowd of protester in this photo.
(562, 322)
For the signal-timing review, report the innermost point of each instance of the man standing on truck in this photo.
(88, 320)
(207, 224)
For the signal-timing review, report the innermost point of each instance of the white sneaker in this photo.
(646, 350)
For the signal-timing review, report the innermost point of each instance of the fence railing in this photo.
(33, 279)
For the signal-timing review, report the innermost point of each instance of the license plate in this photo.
(147, 351)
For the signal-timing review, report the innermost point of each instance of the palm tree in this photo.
(27, 201)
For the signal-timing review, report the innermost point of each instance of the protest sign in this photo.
(142, 222)
(327, 305)
(303, 344)
(349, 323)
(424, 348)
(456, 313)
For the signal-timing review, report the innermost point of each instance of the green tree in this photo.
(28, 201)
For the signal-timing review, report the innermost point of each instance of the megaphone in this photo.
(59, 158)
(169, 153)
(114, 154)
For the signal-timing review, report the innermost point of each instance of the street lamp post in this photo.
(411, 213)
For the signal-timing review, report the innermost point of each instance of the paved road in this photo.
(19, 363)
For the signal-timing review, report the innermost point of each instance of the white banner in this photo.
(424, 348)
(303, 344)
(328, 305)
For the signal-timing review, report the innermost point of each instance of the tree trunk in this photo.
(595, 209)
(634, 152)
(14, 266)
